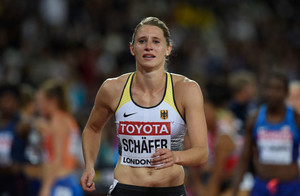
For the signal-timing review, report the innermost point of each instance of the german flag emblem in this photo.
(164, 114)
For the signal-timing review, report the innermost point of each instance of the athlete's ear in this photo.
(131, 49)
(169, 49)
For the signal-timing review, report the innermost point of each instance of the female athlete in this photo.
(61, 137)
(153, 111)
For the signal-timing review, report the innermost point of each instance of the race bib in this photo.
(140, 139)
(275, 147)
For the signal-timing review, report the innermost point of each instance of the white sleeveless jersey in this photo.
(141, 130)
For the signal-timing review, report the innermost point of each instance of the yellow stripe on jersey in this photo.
(169, 97)
(126, 93)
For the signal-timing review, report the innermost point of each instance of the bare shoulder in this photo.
(184, 84)
(187, 93)
(113, 84)
(111, 91)
(111, 87)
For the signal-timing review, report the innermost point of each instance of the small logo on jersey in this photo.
(164, 114)
(126, 115)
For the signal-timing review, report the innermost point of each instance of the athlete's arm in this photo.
(192, 104)
(246, 156)
(91, 137)
(195, 119)
(297, 120)
(50, 168)
(224, 147)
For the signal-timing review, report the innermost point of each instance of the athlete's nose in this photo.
(149, 46)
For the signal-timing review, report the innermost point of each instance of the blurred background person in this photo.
(33, 141)
(61, 142)
(293, 98)
(271, 141)
(215, 177)
(10, 155)
(243, 102)
(243, 94)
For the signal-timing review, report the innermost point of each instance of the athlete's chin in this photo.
(150, 66)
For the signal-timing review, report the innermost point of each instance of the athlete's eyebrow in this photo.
(146, 37)
(157, 38)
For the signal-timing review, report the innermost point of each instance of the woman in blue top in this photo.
(271, 142)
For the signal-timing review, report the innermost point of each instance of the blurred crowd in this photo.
(227, 46)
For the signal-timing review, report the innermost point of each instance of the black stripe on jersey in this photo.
(174, 98)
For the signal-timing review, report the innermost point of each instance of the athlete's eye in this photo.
(142, 41)
(156, 41)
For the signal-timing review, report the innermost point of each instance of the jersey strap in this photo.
(126, 92)
(169, 97)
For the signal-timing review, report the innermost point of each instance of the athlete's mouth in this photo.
(148, 56)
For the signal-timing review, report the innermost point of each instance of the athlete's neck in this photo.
(5, 120)
(280, 108)
(7, 117)
(150, 81)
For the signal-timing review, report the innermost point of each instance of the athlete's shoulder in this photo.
(116, 81)
(180, 81)
(187, 92)
(113, 85)
(111, 90)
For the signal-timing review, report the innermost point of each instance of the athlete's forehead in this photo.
(275, 82)
(149, 31)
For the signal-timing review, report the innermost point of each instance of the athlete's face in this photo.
(150, 47)
(43, 104)
(8, 104)
(275, 92)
